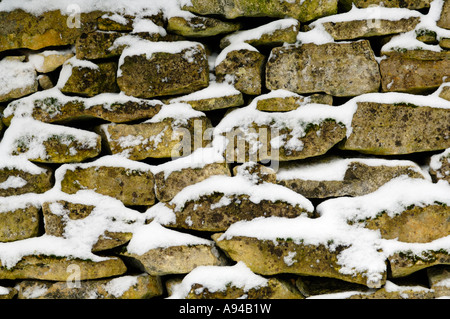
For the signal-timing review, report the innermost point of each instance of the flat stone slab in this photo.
(197, 26)
(20, 220)
(17, 79)
(338, 69)
(17, 179)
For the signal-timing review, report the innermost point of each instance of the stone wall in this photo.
(225, 149)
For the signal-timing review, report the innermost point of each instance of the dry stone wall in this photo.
(282, 149)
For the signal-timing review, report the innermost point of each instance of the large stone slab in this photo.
(219, 201)
(197, 27)
(415, 71)
(339, 69)
(128, 181)
(148, 69)
(284, 101)
(335, 177)
(403, 125)
(406, 262)
(160, 251)
(173, 133)
(52, 106)
(140, 286)
(302, 11)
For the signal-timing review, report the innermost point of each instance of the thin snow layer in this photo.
(239, 185)
(334, 168)
(179, 112)
(236, 46)
(137, 46)
(218, 278)
(140, 8)
(32, 134)
(37, 59)
(118, 286)
(213, 90)
(66, 71)
(148, 26)
(12, 203)
(427, 22)
(24, 107)
(197, 159)
(257, 33)
(16, 75)
(392, 198)
(365, 251)
(153, 236)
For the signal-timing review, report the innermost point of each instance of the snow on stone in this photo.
(233, 47)
(435, 161)
(118, 286)
(15, 74)
(13, 182)
(147, 25)
(179, 112)
(334, 168)
(67, 67)
(256, 33)
(153, 236)
(197, 159)
(4, 290)
(218, 278)
(213, 90)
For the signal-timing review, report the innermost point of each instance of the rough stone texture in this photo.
(266, 258)
(20, 29)
(274, 38)
(214, 103)
(175, 259)
(359, 179)
(52, 109)
(339, 69)
(290, 103)
(245, 67)
(445, 43)
(409, 4)
(438, 279)
(356, 29)
(314, 143)
(55, 268)
(415, 292)
(275, 289)
(166, 187)
(418, 71)
(48, 61)
(388, 129)
(143, 287)
(159, 140)
(443, 172)
(200, 26)
(11, 69)
(313, 286)
(256, 172)
(444, 21)
(302, 11)
(164, 73)
(20, 223)
(132, 187)
(55, 225)
(85, 81)
(201, 214)
(35, 183)
(404, 263)
(445, 93)
(12, 292)
(414, 225)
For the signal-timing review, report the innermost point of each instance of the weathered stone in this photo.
(29, 182)
(290, 102)
(409, 4)
(215, 96)
(245, 67)
(414, 225)
(274, 289)
(7, 292)
(157, 71)
(440, 166)
(88, 79)
(393, 291)
(438, 278)
(56, 268)
(356, 29)
(417, 71)
(315, 286)
(445, 43)
(272, 34)
(167, 185)
(445, 93)
(398, 128)
(404, 263)
(195, 26)
(17, 79)
(129, 185)
(357, 176)
(54, 107)
(19, 223)
(164, 139)
(267, 257)
(256, 172)
(48, 61)
(302, 11)
(427, 36)
(444, 21)
(140, 286)
(45, 82)
(339, 69)
(20, 29)
(115, 22)
(50, 143)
